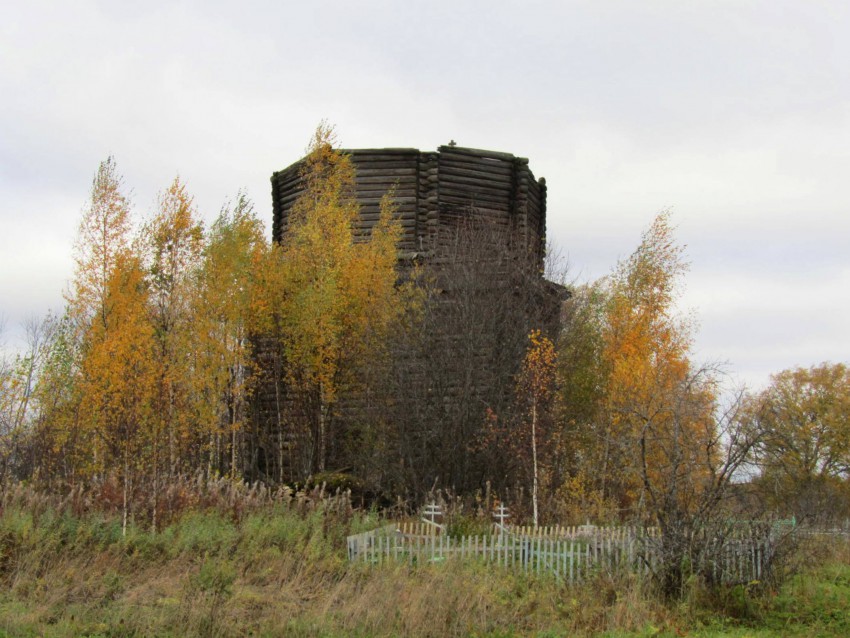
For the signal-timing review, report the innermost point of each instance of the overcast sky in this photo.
(734, 114)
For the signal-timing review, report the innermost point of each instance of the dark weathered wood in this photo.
(376, 208)
(376, 201)
(454, 196)
(476, 153)
(446, 186)
(288, 176)
(358, 153)
(484, 168)
(477, 186)
(383, 160)
(474, 180)
(385, 173)
(378, 193)
(479, 163)
(405, 222)
(434, 190)
(290, 198)
(409, 176)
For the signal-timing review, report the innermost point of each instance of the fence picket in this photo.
(569, 553)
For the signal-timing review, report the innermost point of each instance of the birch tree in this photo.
(234, 251)
(337, 292)
(657, 440)
(103, 240)
(535, 390)
(173, 244)
(103, 235)
(118, 370)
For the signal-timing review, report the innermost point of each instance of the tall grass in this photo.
(276, 566)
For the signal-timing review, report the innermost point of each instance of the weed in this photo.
(279, 569)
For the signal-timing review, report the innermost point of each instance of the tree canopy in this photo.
(187, 349)
(804, 455)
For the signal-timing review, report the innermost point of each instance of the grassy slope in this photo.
(282, 572)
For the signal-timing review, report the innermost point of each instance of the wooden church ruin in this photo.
(435, 192)
(476, 220)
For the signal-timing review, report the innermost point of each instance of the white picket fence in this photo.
(568, 554)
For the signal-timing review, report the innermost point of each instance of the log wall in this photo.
(478, 220)
(434, 191)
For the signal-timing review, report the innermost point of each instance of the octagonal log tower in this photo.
(436, 191)
(476, 220)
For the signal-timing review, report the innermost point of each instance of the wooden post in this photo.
(572, 561)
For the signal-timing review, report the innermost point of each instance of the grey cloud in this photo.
(733, 113)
